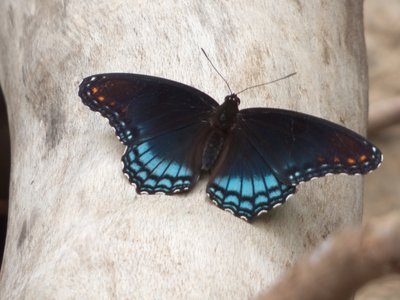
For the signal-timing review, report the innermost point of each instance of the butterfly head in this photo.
(233, 98)
(225, 117)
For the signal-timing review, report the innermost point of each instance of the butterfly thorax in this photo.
(222, 121)
(225, 116)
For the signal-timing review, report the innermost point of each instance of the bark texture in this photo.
(76, 227)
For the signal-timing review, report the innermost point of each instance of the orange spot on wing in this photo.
(112, 103)
(321, 159)
(124, 109)
(101, 98)
(336, 159)
(94, 90)
(363, 157)
(351, 161)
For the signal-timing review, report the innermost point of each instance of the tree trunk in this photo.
(76, 227)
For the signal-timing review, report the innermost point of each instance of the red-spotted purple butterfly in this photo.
(256, 157)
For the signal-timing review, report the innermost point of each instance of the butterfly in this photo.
(255, 157)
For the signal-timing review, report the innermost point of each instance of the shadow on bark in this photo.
(4, 172)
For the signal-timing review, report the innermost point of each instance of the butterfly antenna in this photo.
(226, 82)
(265, 83)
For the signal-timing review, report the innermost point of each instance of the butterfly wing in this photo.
(169, 163)
(242, 182)
(162, 122)
(140, 107)
(299, 147)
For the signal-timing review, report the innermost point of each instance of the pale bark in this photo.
(76, 227)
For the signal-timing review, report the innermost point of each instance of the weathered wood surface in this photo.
(76, 227)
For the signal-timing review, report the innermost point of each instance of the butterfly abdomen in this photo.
(212, 149)
(222, 122)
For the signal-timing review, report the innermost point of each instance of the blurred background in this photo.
(382, 187)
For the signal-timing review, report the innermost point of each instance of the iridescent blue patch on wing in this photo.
(244, 184)
(152, 174)
(165, 163)
(234, 184)
(249, 197)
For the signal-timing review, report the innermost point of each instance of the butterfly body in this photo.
(221, 122)
(213, 146)
(256, 157)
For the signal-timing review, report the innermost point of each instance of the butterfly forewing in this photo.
(141, 107)
(299, 147)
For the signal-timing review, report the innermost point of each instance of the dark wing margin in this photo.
(141, 107)
(299, 147)
(242, 182)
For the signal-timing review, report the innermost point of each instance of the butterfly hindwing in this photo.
(299, 147)
(168, 163)
(242, 182)
(141, 107)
